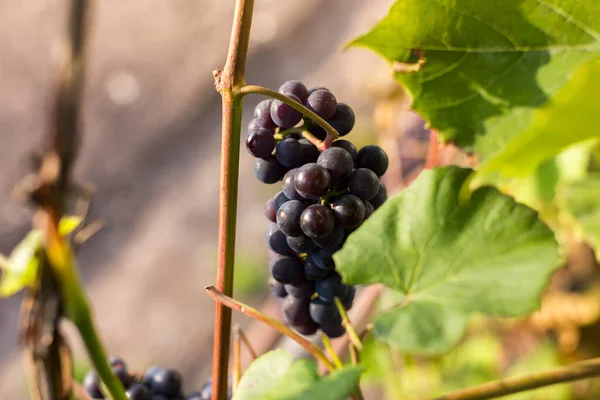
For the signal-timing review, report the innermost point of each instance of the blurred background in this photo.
(151, 149)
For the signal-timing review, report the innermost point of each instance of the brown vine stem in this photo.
(503, 387)
(332, 134)
(227, 82)
(309, 346)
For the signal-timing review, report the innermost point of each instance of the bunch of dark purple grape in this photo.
(325, 196)
(153, 384)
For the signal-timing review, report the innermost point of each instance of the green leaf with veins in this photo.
(276, 376)
(448, 259)
(489, 64)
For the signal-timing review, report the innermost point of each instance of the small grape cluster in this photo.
(325, 196)
(153, 384)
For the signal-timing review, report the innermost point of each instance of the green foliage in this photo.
(250, 275)
(276, 376)
(488, 65)
(448, 260)
(581, 200)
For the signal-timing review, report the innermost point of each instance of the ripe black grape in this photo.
(317, 221)
(289, 152)
(277, 288)
(286, 269)
(338, 162)
(312, 181)
(303, 289)
(346, 145)
(262, 114)
(363, 183)
(331, 287)
(369, 209)
(323, 312)
(348, 299)
(296, 88)
(312, 271)
(91, 384)
(335, 238)
(380, 197)
(295, 311)
(343, 119)
(374, 158)
(323, 258)
(310, 153)
(260, 143)
(166, 382)
(309, 328)
(284, 115)
(288, 187)
(279, 199)
(314, 89)
(333, 330)
(288, 217)
(323, 103)
(301, 244)
(349, 210)
(277, 241)
(139, 392)
(270, 211)
(124, 376)
(268, 170)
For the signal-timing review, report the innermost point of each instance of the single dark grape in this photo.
(301, 244)
(167, 382)
(338, 162)
(323, 103)
(289, 153)
(343, 119)
(268, 170)
(260, 143)
(374, 158)
(124, 376)
(369, 209)
(363, 183)
(317, 221)
(287, 186)
(288, 217)
(277, 288)
(149, 376)
(295, 311)
(117, 362)
(331, 287)
(262, 114)
(335, 238)
(322, 311)
(348, 299)
(280, 199)
(277, 241)
(252, 125)
(380, 197)
(286, 269)
(333, 330)
(310, 153)
(314, 89)
(346, 145)
(296, 88)
(91, 385)
(316, 130)
(303, 289)
(139, 392)
(312, 181)
(309, 328)
(312, 271)
(270, 211)
(283, 115)
(349, 210)
(323, 258)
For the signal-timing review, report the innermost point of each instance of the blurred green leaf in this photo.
(449, 260)
(68, 223)
(20, 269)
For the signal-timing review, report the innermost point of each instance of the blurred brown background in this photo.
(151, 148)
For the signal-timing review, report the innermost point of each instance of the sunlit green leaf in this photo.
(448, 259)
(68, 223)
(21, 267)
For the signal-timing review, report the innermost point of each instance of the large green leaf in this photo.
(489, 64)
(571, 118)
(275, 376)
(582, 201)
(449, 259)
